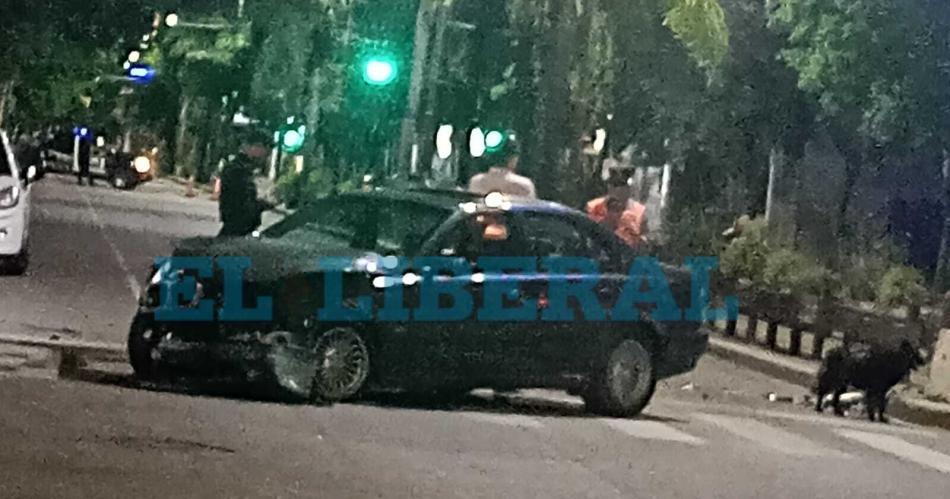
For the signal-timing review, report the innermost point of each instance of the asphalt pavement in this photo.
(90, 251)
(710, 433)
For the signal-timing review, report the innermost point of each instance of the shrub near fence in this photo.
(825, 319)
(784, 293)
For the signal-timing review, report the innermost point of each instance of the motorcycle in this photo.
(124, 171)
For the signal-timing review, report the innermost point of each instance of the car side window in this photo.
(552, 235)
(404, 226)
(482, 234)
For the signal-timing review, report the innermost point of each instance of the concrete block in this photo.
(939, 383)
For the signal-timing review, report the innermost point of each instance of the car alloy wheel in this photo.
(342, 365)
(625, 384)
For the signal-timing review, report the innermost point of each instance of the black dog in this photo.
(873, 369)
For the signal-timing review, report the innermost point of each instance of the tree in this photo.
(52, 53)
(875, 69)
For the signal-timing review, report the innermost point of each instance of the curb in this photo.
(796, 371)
(804, 372)
(71, 357)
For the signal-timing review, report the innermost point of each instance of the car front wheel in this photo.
(142, 343)
(623, 385)
(342, 364)
(19, 262)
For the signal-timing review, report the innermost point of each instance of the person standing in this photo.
(624, 216)
(238, 205)
(502, 177)
(85, 156)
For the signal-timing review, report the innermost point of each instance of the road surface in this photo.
(710, 433)
(90, 249)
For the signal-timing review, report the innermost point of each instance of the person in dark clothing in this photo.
(85, 155)
(238, 206)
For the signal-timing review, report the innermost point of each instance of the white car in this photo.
(14, 209)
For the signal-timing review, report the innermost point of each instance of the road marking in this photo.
(515, 420)
(652, 430)
(130, 279)
(901, 449)
(769, 436)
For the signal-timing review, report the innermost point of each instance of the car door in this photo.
(551, 349)
(478, 346)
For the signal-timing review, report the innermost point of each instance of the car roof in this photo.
(453, 200)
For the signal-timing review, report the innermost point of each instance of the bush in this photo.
(745, 257)
(691, 234)
(288, 188)
(901, 286)
(860, 280)
(317, 183)
(790, 271)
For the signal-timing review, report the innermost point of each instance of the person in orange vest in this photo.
(618, 212)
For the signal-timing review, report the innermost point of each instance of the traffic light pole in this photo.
(420, 54)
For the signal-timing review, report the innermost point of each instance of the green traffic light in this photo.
(293, 139)
(379, 70)
(494, 140)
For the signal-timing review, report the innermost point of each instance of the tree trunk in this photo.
(553, 57)
(420, 55)
(180, 148)
(942, 276)
(6, 88)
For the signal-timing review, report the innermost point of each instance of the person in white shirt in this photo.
(502, 178)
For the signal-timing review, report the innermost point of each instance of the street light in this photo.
(134, 56)
(171, 20)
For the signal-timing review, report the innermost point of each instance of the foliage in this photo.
(901, 285)
(745, 257)
(794, 272)
(295, 189)
(701, 26)
(870, 63)
(691, 233)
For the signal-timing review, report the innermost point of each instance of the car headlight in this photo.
(159, 273)
(142, 164)
(9, 197)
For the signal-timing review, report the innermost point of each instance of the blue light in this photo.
(141, 73)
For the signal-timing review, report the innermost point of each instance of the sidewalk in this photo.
(907, 402)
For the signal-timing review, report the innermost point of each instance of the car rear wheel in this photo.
(142, 344)
(624, 384)
(342, 365)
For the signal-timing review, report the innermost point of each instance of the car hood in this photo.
(272, 258)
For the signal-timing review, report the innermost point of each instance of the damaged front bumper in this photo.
(210, 352)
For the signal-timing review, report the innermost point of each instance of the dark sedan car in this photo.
(415, 339)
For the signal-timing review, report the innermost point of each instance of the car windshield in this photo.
(386, 226)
